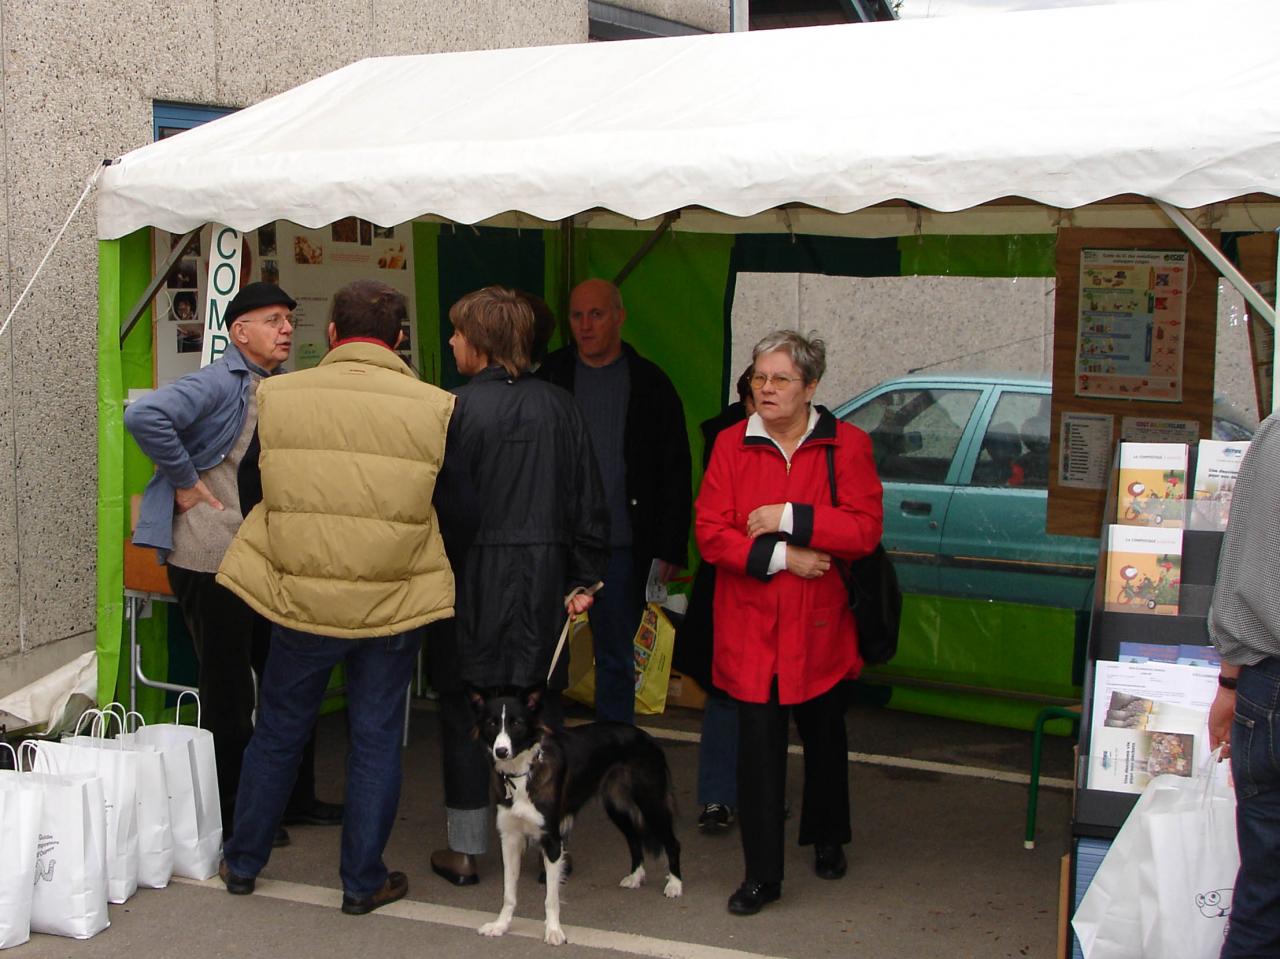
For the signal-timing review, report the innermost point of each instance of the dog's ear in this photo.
(476, 697)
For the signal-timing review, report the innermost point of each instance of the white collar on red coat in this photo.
(755, 428)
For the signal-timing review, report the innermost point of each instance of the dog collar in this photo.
(508, 779)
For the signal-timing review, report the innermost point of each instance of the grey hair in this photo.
(809, 354)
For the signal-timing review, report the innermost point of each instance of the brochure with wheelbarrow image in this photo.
(1148, 719)
(1152, 484)
(1144, 570)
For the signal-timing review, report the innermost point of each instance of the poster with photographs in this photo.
(318, 263)
(315, 264)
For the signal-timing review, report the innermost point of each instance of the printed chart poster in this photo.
(1149, 719)
(1132, 323)
(1144, 570)
(1086, 450)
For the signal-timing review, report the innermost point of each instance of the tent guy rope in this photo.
(93, 179)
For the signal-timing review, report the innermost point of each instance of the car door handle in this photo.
(916, 507)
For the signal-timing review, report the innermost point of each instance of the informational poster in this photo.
(314, 264)
(1149, 718)
(309, 265)
(1132, 324)
(1085, 441)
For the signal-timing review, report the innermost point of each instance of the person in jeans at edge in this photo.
(718, 747)
(344, 555)
(196, 430)
(637, 427)
(1244, 624)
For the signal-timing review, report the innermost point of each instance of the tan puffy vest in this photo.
(345, 541)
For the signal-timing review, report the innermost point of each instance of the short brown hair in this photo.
(499, 323)
(369, 308)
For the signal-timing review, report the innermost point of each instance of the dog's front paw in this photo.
(674, 888)
(496, 928)
(633, 880)
(554, 935)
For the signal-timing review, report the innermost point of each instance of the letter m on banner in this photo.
(224, 282)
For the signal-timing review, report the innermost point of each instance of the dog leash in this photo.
(564, 633)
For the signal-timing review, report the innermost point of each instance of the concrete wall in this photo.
(79, 79)
(881, 327)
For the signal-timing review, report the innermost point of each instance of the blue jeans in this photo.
(297, 672)
(615, 617)
(718, 752)
(1254, 929)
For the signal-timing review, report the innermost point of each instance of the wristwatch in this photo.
(1227, 682)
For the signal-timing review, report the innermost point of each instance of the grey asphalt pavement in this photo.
(936, 868)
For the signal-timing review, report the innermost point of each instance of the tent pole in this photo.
(1275, 341)
(1215, 256)
(648, 245)
(566, 277)
(162, 274)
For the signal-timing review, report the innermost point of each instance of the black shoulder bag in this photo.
(874, 596)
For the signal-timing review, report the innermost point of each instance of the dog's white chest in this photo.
(521, 815)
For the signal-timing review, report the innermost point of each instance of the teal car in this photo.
(965, 464)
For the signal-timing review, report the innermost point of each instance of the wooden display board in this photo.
(1078, 512)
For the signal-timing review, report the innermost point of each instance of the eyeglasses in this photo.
(779, 380)
(277, 320)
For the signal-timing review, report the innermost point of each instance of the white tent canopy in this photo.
(1062, 109)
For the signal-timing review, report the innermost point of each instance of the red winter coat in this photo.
(781, 625)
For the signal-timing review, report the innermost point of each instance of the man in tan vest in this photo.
(343, 554)
(196, 430)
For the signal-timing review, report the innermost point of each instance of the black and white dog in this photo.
(544, 778)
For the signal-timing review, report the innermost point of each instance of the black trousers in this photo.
(467, 769)
(231, 643)
(762, 778)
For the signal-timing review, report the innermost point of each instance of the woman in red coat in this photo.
(784, 636)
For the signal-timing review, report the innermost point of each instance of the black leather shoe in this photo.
(458, 868)
(317, 813)
(751, 897)
(829, 862)
(281, 838)
(393, 889)
(236, 885)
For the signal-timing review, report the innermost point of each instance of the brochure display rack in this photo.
(1151, 671)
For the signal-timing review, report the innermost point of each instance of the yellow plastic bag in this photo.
(652, 647)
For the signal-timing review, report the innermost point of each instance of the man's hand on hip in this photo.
(190, 496)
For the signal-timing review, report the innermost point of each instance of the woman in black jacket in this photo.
(522, 509)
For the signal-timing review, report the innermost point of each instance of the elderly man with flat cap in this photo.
(196, 430)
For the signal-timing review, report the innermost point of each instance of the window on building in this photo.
(169, 119)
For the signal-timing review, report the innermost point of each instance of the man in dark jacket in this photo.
(638, 431)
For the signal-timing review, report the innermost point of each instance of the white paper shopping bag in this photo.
(21, 803)
(195, 815)
(69, 897)
(1187, 892)
(118, 770)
